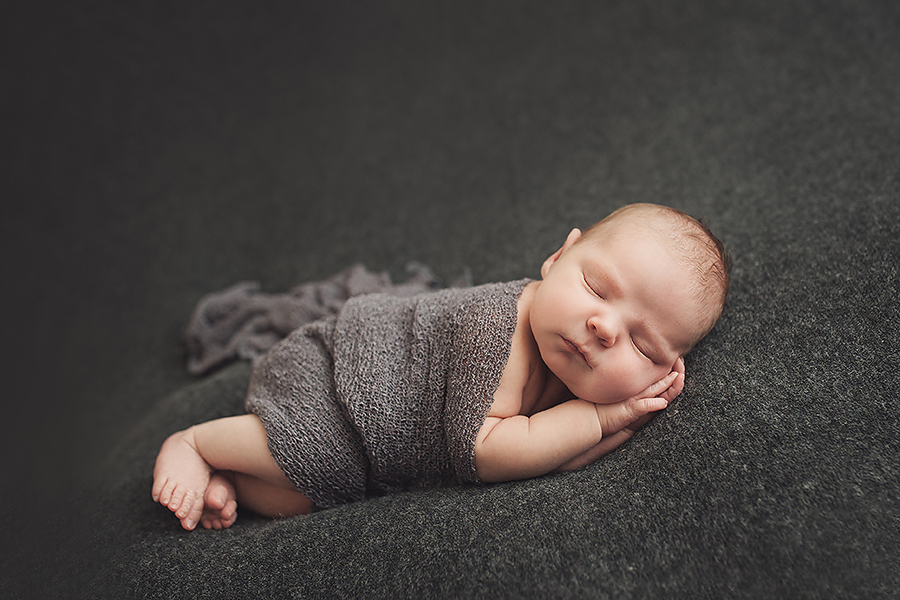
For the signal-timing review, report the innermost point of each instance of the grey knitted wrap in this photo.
(389, 394)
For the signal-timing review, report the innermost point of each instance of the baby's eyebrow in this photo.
(607, 274)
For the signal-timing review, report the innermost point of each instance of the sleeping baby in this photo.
(490, 383)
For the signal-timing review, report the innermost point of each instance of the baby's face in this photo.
(613, 313)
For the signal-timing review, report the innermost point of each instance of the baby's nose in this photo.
(603, 327)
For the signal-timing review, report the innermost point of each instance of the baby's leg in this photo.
(219, 502)
(270, 500)
(189, 458)
(180, 477)
(226, 489)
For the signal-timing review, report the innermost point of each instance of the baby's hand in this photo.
(666, 388)
(621, 420)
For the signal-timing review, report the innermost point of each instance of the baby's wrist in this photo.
(599, 418)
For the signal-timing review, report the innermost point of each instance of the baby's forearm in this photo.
(606, 445)
(520, 447)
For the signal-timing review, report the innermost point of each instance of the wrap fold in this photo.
(388, 394)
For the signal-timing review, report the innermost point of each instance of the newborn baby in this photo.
(492, 383)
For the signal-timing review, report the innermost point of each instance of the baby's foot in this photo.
(181, 477)
(220, 503)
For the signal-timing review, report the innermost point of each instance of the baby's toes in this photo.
(229, 514)
(175, 501)
(163, 492)
(157, 489)
(192, 517)
(187, 501)
(220, 518)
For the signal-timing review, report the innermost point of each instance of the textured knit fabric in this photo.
(387, 396)
(241, 322)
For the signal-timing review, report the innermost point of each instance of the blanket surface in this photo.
(389, 394)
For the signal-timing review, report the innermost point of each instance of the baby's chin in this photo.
(605, 397)
(606, 400)
(595, 398)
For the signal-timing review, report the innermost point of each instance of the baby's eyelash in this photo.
(592, 287)
(642, 351)
(638, 348)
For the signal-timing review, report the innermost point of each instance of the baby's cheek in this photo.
(625, 384)
(645, 377)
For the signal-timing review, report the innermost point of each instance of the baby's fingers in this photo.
(676, 388)
(657, 389)
(669, 386)
(645, 406)
(615, 417)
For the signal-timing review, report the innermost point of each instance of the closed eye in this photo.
(643, 352)
(592, 286)
(638, 348)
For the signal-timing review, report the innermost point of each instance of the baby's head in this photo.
(689, 242)
(619, 304)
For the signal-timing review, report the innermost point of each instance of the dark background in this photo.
(154, 153)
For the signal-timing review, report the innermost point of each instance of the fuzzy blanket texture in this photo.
(389, 394)
(242, 322)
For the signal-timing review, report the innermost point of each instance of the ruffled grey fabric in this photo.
(389, 394)
(241, 322)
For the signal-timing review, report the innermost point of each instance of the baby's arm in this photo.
(519, 446)
(617, 433)
(566, 436)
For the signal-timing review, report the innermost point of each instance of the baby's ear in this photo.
(573, 237)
